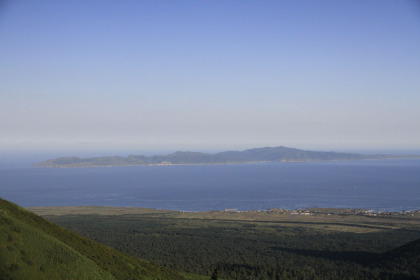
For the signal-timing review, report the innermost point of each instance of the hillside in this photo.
(268, 154)
(33, 248)
(405, 258)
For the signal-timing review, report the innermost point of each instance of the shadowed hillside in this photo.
(405, 260)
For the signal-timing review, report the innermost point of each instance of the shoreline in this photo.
(225, 163)
(99, 210)
(255, 155)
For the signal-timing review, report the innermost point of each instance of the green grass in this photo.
(29, 253)
(33, 248)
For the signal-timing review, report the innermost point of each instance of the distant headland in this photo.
(267, 154)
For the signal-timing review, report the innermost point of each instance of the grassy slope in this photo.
(32, 248)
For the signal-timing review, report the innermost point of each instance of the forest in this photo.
(267, 245)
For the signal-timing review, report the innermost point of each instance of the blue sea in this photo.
(380, 185)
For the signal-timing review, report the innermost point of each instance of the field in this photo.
(277, 244)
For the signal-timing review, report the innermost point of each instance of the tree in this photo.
(214, 275)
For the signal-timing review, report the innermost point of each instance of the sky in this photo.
(209, 75)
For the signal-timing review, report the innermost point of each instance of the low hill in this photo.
(33, 248)
(405, 259)
(268, 154)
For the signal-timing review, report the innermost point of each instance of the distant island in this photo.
(256, 155)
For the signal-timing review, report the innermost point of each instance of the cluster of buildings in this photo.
(335, 211)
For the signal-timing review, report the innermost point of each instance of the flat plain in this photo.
(275, 244)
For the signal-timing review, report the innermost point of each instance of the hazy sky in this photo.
(200, 75)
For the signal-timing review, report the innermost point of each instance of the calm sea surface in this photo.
(391, 185)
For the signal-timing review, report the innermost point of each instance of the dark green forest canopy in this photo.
(277, 244)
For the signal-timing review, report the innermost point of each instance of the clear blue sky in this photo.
(209, 75)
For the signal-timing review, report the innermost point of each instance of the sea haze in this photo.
(391, 185)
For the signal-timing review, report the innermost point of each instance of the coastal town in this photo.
(332, 211)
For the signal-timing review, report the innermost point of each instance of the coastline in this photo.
(222, 163)
(112, 210)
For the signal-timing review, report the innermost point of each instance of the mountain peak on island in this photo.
(265, 154)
